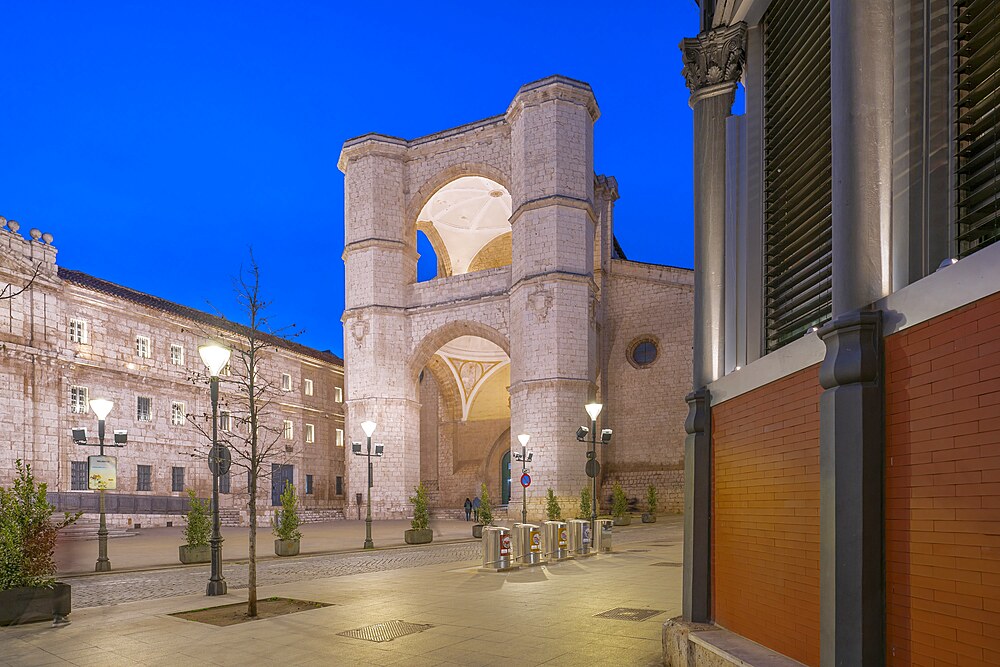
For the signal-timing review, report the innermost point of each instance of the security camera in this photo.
(80, 436)
(121, 437)
(530, 454)
(379, 449)
(606, 435)
(582, 433)
(356, 447)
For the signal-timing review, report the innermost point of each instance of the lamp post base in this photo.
(216, 587)
(103, 566)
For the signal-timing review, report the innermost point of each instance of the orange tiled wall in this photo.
(765, 530)
(943, 489)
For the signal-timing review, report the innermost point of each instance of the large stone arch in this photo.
(442, 178)
(433, 341)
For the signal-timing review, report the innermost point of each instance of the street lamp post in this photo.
(525, 458)
(593, 467)
(215, 358)
(101, 408)
(368, 427)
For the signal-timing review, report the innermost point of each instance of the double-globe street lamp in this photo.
(101, 407)
(368, 427)
(525, 458)
(593, 468)
(215, 357)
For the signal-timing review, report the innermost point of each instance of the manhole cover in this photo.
(628, 614)
(385, 632)
(666, 564)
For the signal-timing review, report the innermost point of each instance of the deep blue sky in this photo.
(157, 141)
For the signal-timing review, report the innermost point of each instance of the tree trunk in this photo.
(252, 575)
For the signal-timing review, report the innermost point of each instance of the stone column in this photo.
(852, 594)
(861, 90)
(713, 63)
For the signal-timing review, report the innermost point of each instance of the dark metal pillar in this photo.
(216, 582)
(698, 508)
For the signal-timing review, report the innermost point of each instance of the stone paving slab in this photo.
(547, 618)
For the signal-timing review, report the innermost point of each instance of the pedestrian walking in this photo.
(468, 509)
(475, 507)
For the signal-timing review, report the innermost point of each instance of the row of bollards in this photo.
(527, 544)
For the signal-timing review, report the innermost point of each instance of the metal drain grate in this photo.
(666, 564)
(385, 632)
(629, 614)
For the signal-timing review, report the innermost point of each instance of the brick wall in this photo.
(943, 490)
(765, 532)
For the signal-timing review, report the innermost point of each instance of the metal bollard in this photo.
(497, 550)
(602, 538)
(527, 544)
(556, 540)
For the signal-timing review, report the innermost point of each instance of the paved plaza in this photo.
(534, 616)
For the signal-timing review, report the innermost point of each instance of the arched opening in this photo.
(505, 478)
(464, 416)
(466, 223)
(427, 263)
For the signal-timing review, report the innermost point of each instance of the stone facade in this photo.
(70, 334)
(559, 304)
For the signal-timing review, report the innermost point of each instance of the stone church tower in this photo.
(508, 338)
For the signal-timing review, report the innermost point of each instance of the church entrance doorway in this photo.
(505, 478)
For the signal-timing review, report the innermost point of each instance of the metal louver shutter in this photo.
(798, 233)
(977, 101)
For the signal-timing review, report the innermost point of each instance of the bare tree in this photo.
(256, 428)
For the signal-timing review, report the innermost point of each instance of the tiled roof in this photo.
(156, 303)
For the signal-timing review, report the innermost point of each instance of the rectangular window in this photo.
(286, 382)
(225, 421)
(143, 478)
(310, 433)
(287, 432)
(177, 414)
(977, 111)
(78, 400)
(78, 476)
(309, 485)
(177, 355)
(224, 483)
(143, 347)
(177, 479)
(798, 178)
(340, 437)
(78, 331)
(340, 486)
(338, 394)
(144, 408)
(307, 387)
(226, 370)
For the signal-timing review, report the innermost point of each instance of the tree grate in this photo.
(385, 632)
(629, 614)
(666, 564)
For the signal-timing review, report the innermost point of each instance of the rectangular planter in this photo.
(286, 547)
(198, 554)
(27, 605)
(418, 536)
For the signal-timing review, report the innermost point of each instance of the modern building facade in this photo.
(534, 312)
(70, 337)
(842, 482)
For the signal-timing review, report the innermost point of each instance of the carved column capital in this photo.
(714, 60)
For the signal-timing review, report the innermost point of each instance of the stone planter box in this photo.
(623, 520)
(27, 605)
(199, 554)
(286, 547)
(418, 536)
(648, 518)
(477, 530)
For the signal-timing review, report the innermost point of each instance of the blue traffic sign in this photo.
(525, 480)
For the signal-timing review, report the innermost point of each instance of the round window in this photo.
(642, 352)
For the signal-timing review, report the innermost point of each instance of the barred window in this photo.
(78, 331)
(177, 413)
(143, 346)
(340, 486)
(177, 355)
(144, 408)
(177, 479)
(225, 421)
(144, 478)
(78, 400)
(309, 485)
(798, 190)
(287, 431)
(78, 476)
(977, 107)
(224, 483)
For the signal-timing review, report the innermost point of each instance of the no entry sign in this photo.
(525, 480)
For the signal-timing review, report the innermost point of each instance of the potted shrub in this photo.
(585, 504)
(420, 532)
(28, 589)
(651, 502)
(552, 509)
(619, 506)
(286, 524)
(197, 530)
(485, 512)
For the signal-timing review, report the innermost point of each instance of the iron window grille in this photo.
(78, 476)
(142, 347)
(78, 400)
(144, 408)
(177, 479)
(309, 485)
(340, 486)
(144, 478)
(78, 331)
(177, 414)
(798, 190)
(177, 355)
(288, 430)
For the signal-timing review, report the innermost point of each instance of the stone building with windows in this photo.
(843, 458)
(70, 337)
(534, 312)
